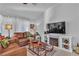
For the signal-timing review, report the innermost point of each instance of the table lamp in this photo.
(8, 27)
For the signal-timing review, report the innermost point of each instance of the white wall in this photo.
(70, 14)
(40, 28)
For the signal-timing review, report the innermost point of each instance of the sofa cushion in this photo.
(20, 35)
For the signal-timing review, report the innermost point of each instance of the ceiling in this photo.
(25, 11)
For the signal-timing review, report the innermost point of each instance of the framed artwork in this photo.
(32, 26)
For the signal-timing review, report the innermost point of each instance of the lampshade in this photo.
(8, 26)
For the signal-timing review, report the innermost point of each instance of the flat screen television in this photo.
(58, 27)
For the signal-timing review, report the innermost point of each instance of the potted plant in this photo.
(3, 42)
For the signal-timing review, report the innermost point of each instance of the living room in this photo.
(31, 26)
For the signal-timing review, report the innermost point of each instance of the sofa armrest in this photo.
(20, 51)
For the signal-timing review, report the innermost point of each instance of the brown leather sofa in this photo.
(21, 38)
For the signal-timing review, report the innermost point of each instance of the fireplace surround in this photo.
(60, 41)
(53, 41)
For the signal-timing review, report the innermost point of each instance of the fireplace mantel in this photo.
(60, 41)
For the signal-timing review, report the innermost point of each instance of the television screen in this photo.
(58, 27)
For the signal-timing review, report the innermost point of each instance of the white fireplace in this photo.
(54, 41)
(64, 41)
(53, 36)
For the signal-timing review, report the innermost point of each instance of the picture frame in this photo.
(32, 26)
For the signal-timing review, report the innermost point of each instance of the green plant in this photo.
(0, 43)
(4, 43)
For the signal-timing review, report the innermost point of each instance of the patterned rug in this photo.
(42, 53)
